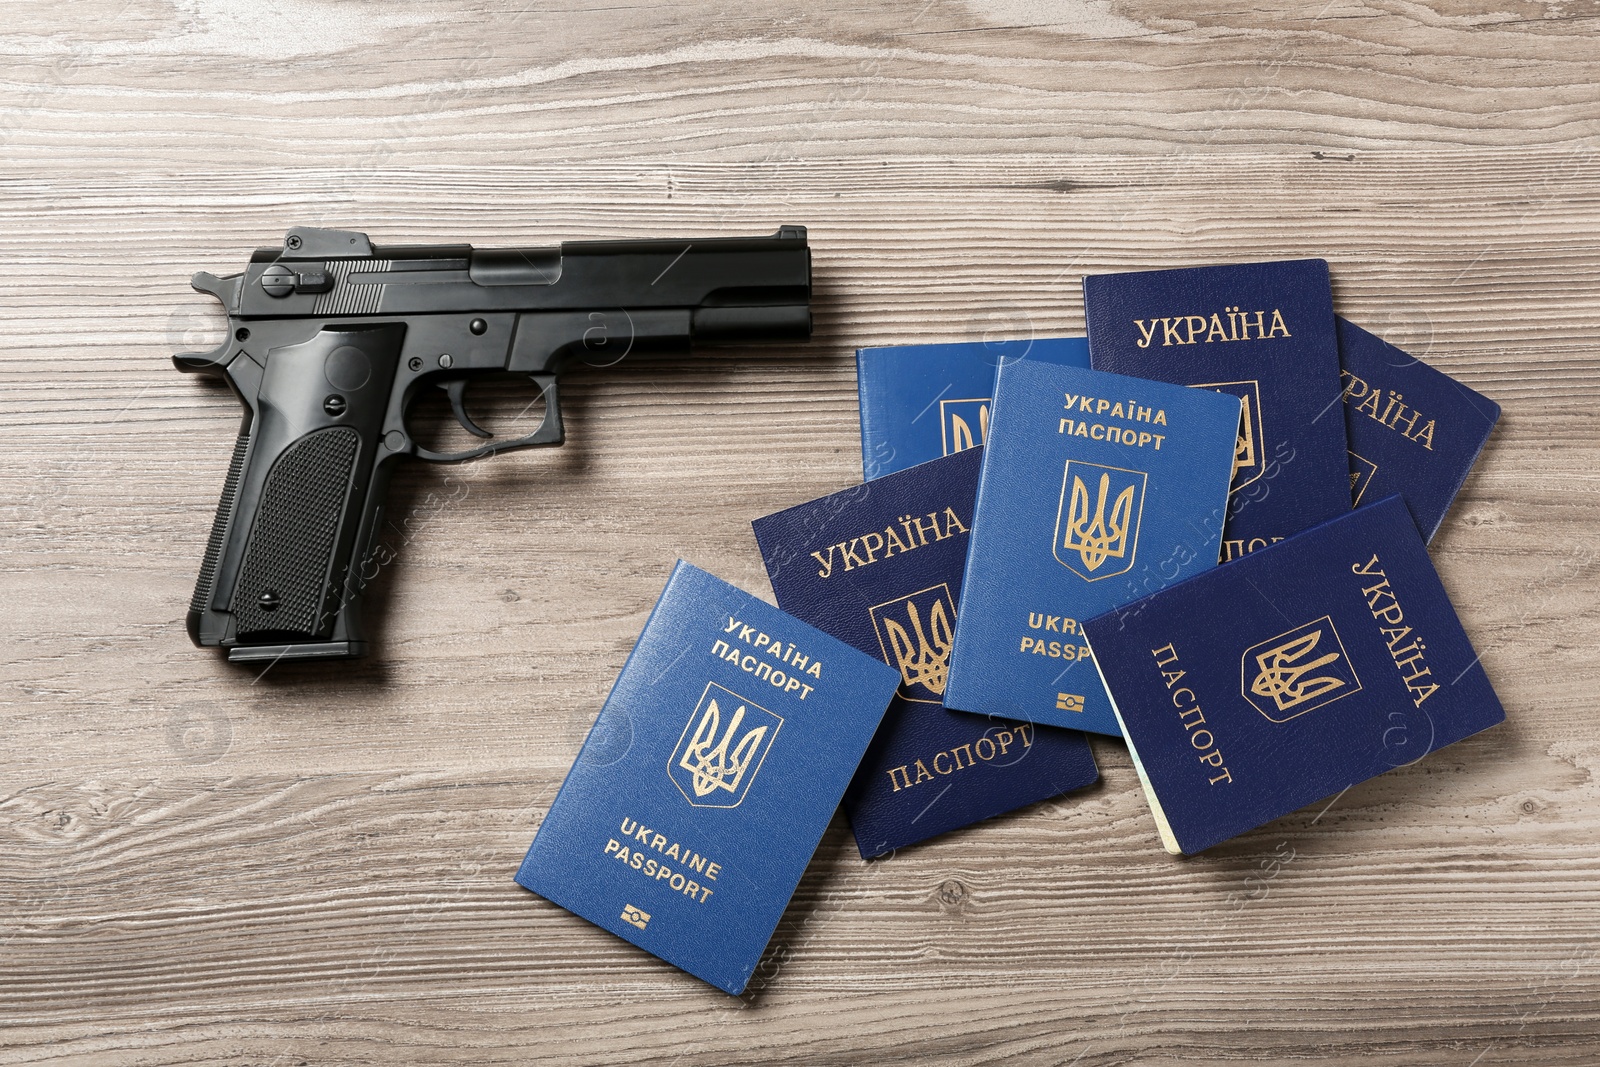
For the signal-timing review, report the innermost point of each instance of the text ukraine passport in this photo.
(1097, 489)
(1263, 332)
(1263, 686)
(1412, 430)
(708, 778)
(879, 567)
(920, 402)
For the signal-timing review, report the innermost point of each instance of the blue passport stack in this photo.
(879, 567)
(920, 402)
(1266, 685)
(708, 779)
(1413, 430)
(1097, 489)
(1263, 332)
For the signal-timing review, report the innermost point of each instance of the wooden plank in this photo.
(395, 914)
(157, 84)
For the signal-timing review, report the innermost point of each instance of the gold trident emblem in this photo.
(923, 655)
(956, 423)
(709, 760)
(963, 434)
(1244, 449)
(1095, 538)
(1283, 679)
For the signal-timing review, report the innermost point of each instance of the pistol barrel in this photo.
(768, 279)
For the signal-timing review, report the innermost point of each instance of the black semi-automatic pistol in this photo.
(330, 340)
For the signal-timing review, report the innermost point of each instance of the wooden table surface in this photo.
(206, 864)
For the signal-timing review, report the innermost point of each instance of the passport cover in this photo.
(1263, 332)
(879, 567)
(1097, 489)
(1263, 686)
(1412, 430)
(708, 778)
(920, 402)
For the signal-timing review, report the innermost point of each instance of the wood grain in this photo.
(200, 864)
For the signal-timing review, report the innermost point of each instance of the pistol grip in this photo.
(214, 544)
(289, 577)
(301, 502)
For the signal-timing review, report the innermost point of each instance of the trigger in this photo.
(457, 391)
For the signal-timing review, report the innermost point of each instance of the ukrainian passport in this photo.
(1097, 489)
(1262, 332)
(1261, 687)
(879, 566)
(708, 779)
(920, 402)
(1412, 430)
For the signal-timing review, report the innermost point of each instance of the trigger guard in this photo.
(550, 431)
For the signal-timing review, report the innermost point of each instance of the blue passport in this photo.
(1263, 686)
(708, 778)
(879, 566)
(1263, 332)
(920, 402)
(1412, 430)
(1097, 489)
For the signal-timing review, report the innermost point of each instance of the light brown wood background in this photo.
(203, 864)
